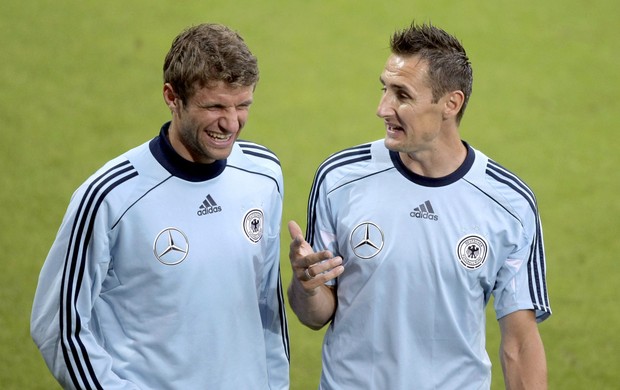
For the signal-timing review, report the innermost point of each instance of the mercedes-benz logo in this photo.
(366, 240)
(171, 246)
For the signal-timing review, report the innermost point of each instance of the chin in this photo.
(392, 144)
(223, 153)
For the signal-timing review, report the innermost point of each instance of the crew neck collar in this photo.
(165, 154)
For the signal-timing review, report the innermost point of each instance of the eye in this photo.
(211, 107)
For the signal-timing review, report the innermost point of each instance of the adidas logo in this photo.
(424, 211)
(208, 206)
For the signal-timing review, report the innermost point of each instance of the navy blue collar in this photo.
(165, 154)
(435, 181)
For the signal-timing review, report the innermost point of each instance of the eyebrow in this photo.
(397, 87)
(220, 105)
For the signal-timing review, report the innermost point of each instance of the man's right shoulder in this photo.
(349, 161)
(122, 174)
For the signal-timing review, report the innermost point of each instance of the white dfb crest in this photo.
(472, 251)
(253, 225)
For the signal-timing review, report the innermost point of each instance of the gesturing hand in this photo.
(311, 269)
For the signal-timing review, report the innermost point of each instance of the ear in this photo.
(453, 103)
(170, 98)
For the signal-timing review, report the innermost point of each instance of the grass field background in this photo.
(80, 82)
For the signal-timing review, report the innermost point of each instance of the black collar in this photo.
(435, 181)
(178, 166)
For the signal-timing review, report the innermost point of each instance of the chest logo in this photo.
(253, 225)
(472, 251)
(366, 240)
(208, 206)
(171, 246)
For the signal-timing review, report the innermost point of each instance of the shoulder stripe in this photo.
(258, 173)
(75, 354)
(258, 151)
(360, 178)
(494, 200)
(283, 320)
(345, 157)
(503, 175)
(536, 262)
(537, 275)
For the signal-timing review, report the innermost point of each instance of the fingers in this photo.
(306, 276)
(301, 253)
(310, 259)
(310, 268)
(318, 274)
(322, 269)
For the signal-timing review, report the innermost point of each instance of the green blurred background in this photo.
(80, 82)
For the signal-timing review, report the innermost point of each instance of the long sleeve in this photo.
(272, 308)
(69, 283)
(167, 281)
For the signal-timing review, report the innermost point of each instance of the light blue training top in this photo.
(165, 275)
(422, 258)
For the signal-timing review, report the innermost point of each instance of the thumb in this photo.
(295, 231)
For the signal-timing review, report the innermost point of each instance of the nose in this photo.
(384, 109)
(231, 121)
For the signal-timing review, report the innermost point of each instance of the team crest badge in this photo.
(253, 225)
(472, 251)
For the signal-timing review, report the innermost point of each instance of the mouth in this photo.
(391, 127)
(218, 136)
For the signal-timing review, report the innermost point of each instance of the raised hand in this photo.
(311, 299)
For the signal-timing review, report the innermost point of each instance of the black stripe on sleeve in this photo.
(536, 262)
(258, 151)
(345, 157)
(74, 351)
(283, 320)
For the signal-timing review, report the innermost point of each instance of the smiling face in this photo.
(205, 129)
(414, 121)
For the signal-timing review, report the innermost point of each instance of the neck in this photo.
(436, 163)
